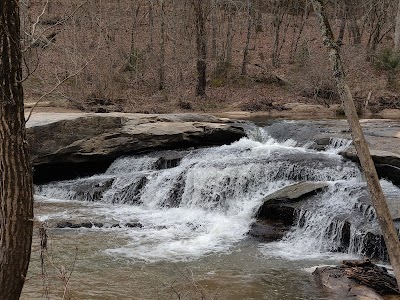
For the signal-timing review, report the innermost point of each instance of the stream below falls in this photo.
(174, 224)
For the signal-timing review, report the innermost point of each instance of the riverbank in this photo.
(293, 111)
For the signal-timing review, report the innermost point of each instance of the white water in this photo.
(207, 203)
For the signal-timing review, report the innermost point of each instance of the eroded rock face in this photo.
(383, 137)
(62, 144)
(387, 163)
(277, 214)
(282, 204)
(281, 210)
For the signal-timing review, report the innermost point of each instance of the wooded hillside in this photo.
(147, 56)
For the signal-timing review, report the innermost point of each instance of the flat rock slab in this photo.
(93, 139)
(279, 205)
(296, 191)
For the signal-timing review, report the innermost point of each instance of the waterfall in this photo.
(191, 203)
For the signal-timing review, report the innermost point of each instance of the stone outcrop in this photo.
(276, 215)
(281, 204)
(387, 163)
(79, 144)
(383, 137)
(279, 209)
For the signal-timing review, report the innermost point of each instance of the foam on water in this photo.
(207, 202)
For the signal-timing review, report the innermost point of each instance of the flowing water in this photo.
(173, 225)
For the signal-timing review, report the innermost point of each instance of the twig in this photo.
(56, 86)
(56, 24)
(66, 282)
(38, 20)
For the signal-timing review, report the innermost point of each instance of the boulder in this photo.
(282, 204)
(276, 215)
(80, 144)
(268, 230)
(387, 163)
(354, 280)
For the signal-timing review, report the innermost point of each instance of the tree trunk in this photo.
(16, 188)
(383, 214)
(229, 37)
(397, 29)
(355, 31)
(201, 44)
(246, 47)
(161, 70)
(353, 26)
(278, 20)
(214, 24)
(151, 21)
(342, 28)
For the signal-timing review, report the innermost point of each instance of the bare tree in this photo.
(16, 187)
(201, 45)
(161, 70)
(397, 29)
(248, 35)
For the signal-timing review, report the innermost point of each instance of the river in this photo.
(173, 225)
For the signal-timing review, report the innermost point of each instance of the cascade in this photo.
(191, 203)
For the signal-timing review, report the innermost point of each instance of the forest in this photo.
(146, 152)
(177, 55)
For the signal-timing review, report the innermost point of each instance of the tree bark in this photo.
(161, 70)
(201, 43)
(16, 188)
(246, 47)
(353, 25)
(229, 36)
(214, 24)
(383, 214)
(342, 28)
(397, 29)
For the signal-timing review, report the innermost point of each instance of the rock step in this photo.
(66, 146)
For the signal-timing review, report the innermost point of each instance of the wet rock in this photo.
(360, 280)
(169, 159)
(301, 133)
(64, 225)
(78, 225)
(342, 288)
(383, 137)
(131, 193)
(281, 205)
(268, 230)
(387, 163)
(134, 225)
(88, 189)
(278, 211)
(321, 143)
(64, 143)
